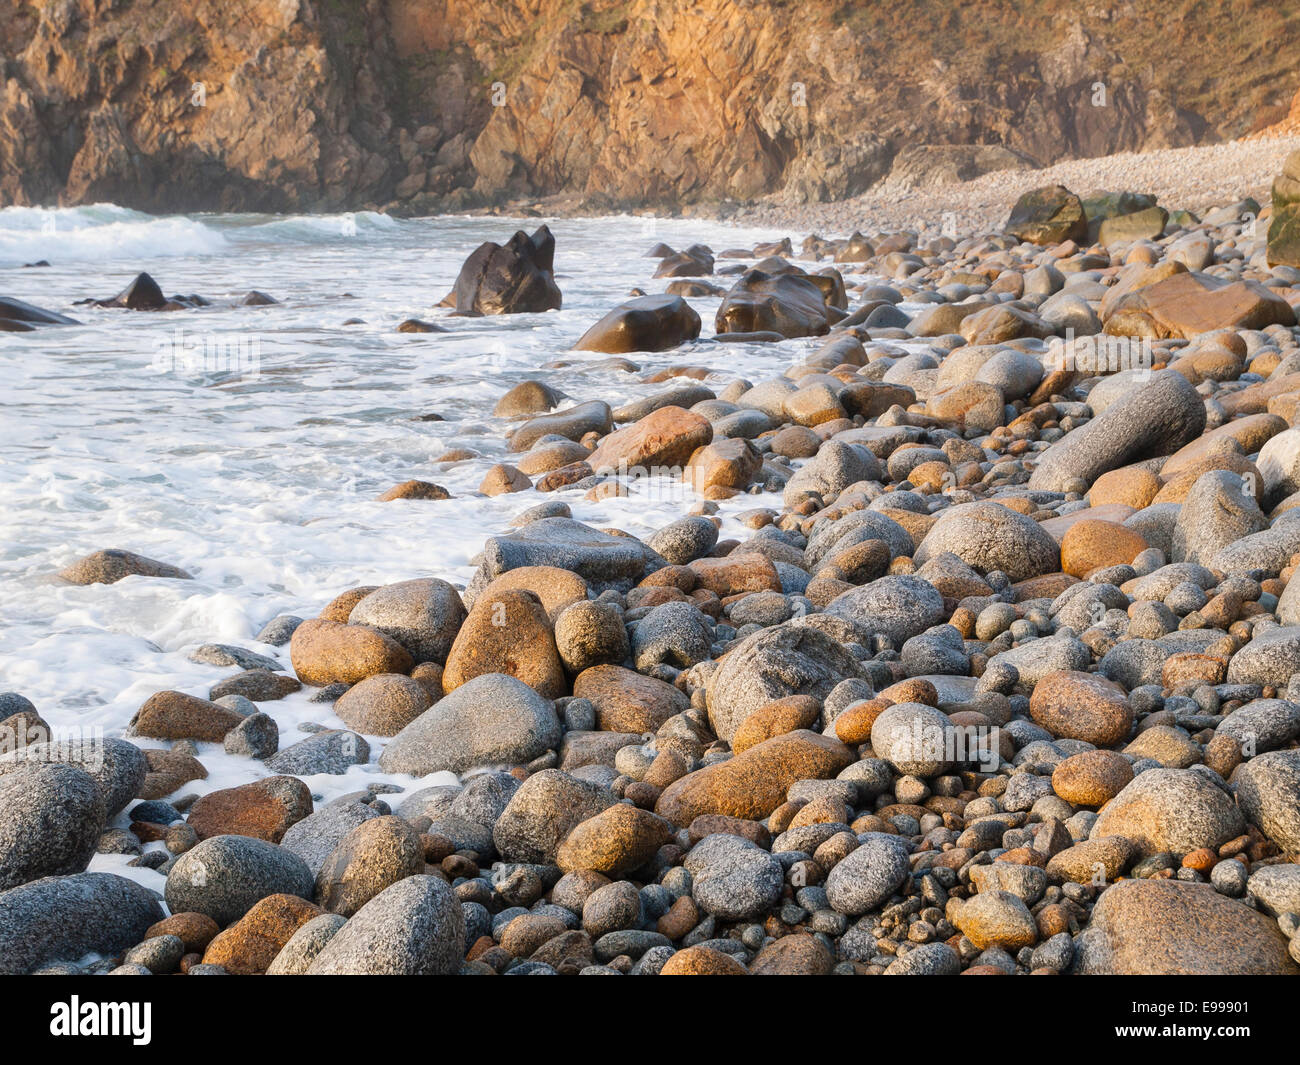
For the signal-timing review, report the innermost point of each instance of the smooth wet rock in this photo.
(648, 323)
(788, 304)
(514, 278)
(113, 564)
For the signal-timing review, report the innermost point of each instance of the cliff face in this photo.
(437, 104)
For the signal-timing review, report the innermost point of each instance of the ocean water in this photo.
(258, 469)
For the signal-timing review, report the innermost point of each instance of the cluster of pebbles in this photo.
(1002, 676)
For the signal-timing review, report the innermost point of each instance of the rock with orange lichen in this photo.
(627, 701)
(264, 809)
(248, 947)
(1093, 544)
(324, 652)
(1082, 706)
(702, 961)
(775, 719)
(753, 784)
(507, 632)
(614, 842)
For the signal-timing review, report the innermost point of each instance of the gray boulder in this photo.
(1276, 888)
(672, 633)
(422, 615)
(1175, 810)
(1217, 512)
(1268, 792)
(64, 918)
(1035, 659)
(835, 466)
(493, 719)
(51, 817)
(733, 878)
(1264, 724)
(829, 537)
(545, 810)
(1271, 657)
(224, 876)
(897, 606)
(599, 558)
(989, 536)
(1269, 550)
(1154, 418)
(914, 738)
(334, 752)
(867, 877)
(771, 664)
(413, 928)
(314, 838)
(685, 540)
(305, 945)
(116, 766)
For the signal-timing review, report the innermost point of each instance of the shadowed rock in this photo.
(650, 323)
(789, 304)
(516, 278)
(1048, 215)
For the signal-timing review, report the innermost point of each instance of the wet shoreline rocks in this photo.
(970, 649)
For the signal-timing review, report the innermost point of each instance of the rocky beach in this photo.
(830, 595)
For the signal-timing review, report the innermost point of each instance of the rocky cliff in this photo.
(433, 104)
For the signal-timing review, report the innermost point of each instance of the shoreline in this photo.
(921, 629)
(1219, 175)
